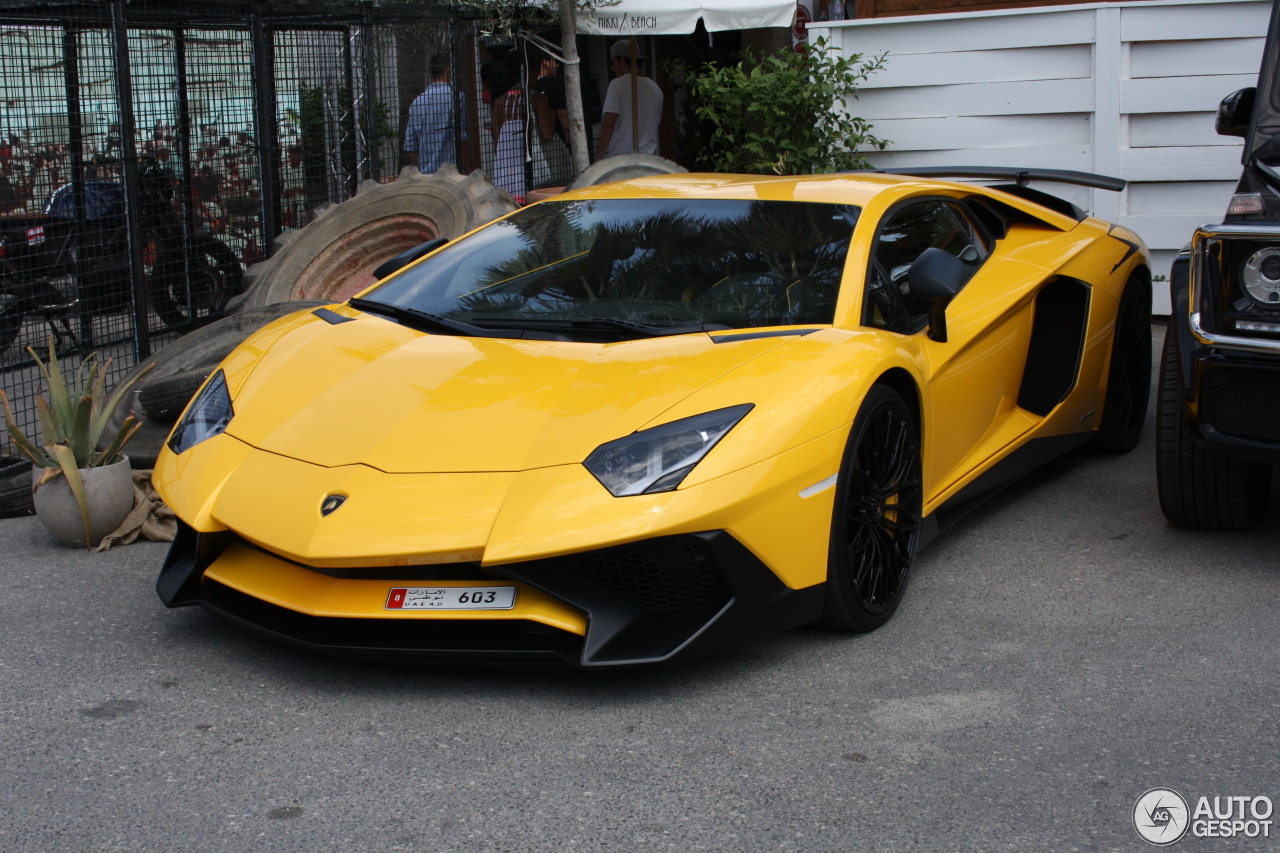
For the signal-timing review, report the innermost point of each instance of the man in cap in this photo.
(632, 107)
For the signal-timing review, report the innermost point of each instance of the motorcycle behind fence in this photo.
(66, 270)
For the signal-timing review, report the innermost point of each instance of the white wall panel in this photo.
(1126, 88)
(988, 99)
(985, 131)
(1157, 199)
(1193, 21)
(986, 66)
(1162, 130)
(963, 32)
(1194, 58)
(1180, 164)
(1180, 94)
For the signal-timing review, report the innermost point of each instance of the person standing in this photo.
(430, 130)
(507, 126)
(629, 126)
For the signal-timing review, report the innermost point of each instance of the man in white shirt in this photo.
(618, 135)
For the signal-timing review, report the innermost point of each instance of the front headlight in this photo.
(207, 416)
(1261, 276)
(1236, 280)
(658, 459)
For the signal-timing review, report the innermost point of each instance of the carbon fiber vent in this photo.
(675, 573)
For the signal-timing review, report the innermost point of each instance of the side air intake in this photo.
(1057, 341)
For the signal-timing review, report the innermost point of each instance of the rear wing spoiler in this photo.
(1019, 176)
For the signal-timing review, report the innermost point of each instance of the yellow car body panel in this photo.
(467, 454)
(429, 403)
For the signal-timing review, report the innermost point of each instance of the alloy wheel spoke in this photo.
(882, 509)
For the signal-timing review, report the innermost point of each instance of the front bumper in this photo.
(653, 601)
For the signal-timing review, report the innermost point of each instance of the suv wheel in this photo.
(1198, 488)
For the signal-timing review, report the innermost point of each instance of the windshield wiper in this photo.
(423, 321)
(597, 324)
(500, 327)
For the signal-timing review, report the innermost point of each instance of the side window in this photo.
(905, 234)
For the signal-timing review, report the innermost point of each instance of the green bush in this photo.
(783, 113)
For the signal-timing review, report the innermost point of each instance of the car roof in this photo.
(856, 188)
(836, 188)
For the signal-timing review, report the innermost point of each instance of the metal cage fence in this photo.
(523, 105)
(151, 151)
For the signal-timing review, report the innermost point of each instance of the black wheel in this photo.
(1198, 488)
(164, 398)
(15, 490)
(1124, 409)
(200, 287)
(11, 317)
(875, 526)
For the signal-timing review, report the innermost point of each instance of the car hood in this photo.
(372, 392)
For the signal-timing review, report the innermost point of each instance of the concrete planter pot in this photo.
(108, 491)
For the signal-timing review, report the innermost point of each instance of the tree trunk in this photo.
(573, 87)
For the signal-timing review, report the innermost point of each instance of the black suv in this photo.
(1219, 409)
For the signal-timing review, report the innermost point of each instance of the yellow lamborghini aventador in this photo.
(648, 419)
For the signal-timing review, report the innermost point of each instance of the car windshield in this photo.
(634, 267)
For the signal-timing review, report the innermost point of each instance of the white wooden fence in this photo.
(1127, 89)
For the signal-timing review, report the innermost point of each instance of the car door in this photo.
(969, 410)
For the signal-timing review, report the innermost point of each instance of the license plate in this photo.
(451, 598)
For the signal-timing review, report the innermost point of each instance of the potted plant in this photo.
(81, 492)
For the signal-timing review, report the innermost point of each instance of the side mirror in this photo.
(1234, 113)
(934, 279)
(407, 257)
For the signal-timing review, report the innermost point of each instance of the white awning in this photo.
(674, 17)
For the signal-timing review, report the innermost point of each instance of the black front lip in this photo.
(621, 631)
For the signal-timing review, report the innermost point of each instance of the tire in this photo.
(334, 256)
(1197, 488)
(1124, 409)
(15, 492)
(202, 349)
(624, 167)
(200, 288)
(11, 318)
(875, 525)
(164, 399)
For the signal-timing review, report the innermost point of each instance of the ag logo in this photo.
(331, 503)
(1161, 816)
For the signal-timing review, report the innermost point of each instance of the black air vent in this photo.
(1057, 341)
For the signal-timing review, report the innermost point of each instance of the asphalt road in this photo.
(1059, 653)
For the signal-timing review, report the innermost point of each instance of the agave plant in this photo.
(73, 421)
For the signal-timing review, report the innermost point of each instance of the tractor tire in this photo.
(335, 255)
(623, 167)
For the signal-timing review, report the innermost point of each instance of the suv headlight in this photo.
(1261, 276)
(1239, 287)
(206, 416)
(658, 459)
